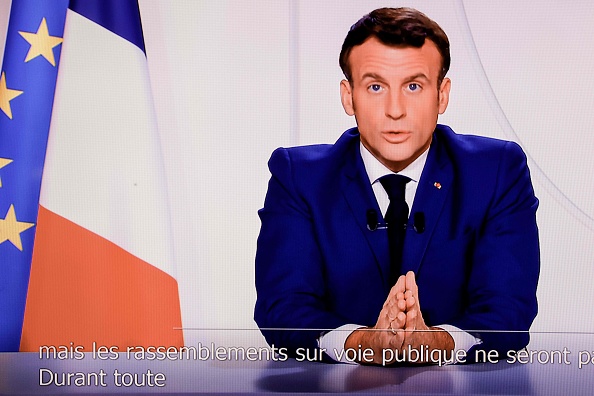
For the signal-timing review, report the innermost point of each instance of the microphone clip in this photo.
(372, 221)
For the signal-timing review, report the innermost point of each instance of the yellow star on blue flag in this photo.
(42, 44)
(11, 228)
(3, 163)
(6, 95)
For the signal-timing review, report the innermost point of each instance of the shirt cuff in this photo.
(462, 340)
(333, 341)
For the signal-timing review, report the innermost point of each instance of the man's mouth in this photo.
(396, 136)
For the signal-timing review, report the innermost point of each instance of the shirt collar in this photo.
(376, 169)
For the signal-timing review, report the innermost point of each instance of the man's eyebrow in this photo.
(418, 76)
(372, 76)
(375, 76)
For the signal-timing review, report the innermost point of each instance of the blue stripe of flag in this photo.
(122, 17)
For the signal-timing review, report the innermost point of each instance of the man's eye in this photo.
(413, 87)
(375, 87)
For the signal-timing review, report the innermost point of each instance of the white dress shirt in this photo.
(335, 339)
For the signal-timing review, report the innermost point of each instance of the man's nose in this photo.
(395, 105)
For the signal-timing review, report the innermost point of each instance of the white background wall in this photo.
(234, 79)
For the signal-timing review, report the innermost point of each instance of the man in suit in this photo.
(460, 272)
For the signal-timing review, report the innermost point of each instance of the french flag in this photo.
(86, 254)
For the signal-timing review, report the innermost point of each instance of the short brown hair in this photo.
(405, 27)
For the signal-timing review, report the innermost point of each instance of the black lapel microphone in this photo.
(373, 222)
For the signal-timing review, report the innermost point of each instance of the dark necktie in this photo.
(396, 218)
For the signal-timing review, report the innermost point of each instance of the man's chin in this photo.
(396, 160)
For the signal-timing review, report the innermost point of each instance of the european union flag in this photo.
(27, 84)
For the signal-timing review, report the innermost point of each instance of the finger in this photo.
(410, 303)
(396, 317)
(411, 326)
(400, 321)
(399, 287)
(393, 306)
(410, 282)
(392, 311)
(389, 313)
(412, 290)
(401, 283)
(411, 319)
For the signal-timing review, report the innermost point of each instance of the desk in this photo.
(20, 374)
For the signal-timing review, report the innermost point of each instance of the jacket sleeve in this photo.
(291, 308)
(501, 289)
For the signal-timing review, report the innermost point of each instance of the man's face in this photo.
(395, 99)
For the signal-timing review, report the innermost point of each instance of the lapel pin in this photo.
(437, 185)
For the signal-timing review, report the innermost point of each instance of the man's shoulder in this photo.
(319, 156)
(473, 147)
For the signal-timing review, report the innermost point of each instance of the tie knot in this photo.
(395, 186)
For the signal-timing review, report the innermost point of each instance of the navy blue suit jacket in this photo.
(318, 266)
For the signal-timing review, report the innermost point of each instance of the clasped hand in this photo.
(400, 326)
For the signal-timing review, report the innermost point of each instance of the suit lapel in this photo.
(359, 196)
(432, 191)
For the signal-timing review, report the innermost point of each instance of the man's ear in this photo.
(346, 96)
(444, 95)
